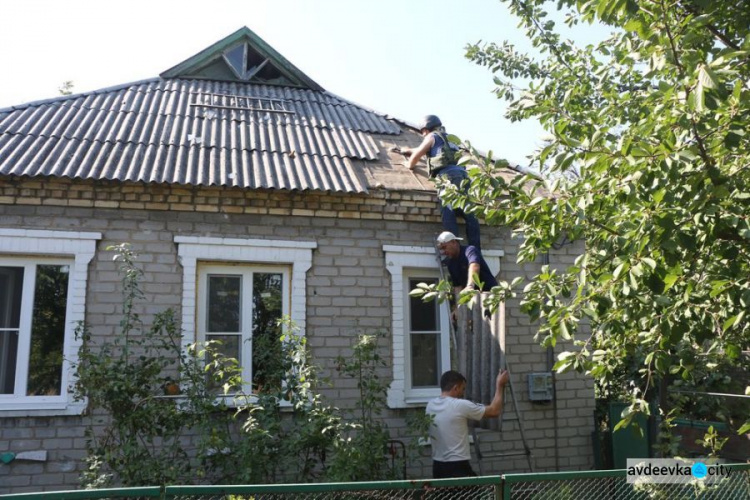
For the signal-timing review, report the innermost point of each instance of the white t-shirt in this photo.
(449, 434)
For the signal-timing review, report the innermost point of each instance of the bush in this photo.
(147, 397)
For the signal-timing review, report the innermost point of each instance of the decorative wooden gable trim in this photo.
(242, 57)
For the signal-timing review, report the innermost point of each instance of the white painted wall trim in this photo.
(492, 257)
(398, 258)
(192, 249)
(81, 246)
(250, 242)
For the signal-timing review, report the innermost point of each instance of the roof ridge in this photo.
(76, 96)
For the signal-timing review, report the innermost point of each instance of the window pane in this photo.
(425, 353)
(48, 331)
(424, 315)
(224, 313)
(11, 288)
(267, 310)
(8, 353)
(234, 57)
(11, 285)
(227, 346)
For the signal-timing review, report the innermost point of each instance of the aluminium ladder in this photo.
(516, 417)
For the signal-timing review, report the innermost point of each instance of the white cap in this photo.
(447, 236)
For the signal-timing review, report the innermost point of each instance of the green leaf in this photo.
(649, 262)
(564, 331)
(669, 281)
(537, 201)
(620, 269)
(732, 140)
(732, 321)
(732, 351)
(707, 78)
(717, 288)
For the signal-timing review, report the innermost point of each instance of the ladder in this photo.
(516, 412)
(515, 417)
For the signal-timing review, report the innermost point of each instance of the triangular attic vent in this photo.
(242, 57)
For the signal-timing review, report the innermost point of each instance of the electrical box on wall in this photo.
(540, 387)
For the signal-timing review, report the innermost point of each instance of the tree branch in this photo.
(713, 29)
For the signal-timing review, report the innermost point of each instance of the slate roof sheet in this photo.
(195, 132)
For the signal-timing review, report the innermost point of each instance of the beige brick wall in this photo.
(348, 291)
(559, 437)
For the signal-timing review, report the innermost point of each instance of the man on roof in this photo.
(442, 157)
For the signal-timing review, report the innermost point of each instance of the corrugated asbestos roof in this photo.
(162, 131)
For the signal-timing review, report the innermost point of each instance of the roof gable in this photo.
(242, 57)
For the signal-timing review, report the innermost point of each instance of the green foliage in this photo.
(667, 442)
(654, 122)
(363, 456)
(287, 429)
(140, 444)
(148, 398)
(66, 88)
(712, 442)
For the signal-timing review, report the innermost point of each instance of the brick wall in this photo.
(348, 292)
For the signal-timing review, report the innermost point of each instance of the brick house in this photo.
(230, 170)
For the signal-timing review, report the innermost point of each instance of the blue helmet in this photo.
(430, 122)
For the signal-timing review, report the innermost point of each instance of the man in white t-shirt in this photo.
(449, 434)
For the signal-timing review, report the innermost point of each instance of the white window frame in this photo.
(192, 250)
(246, 271)
(402, 262)
(423, 394)
(31, 247)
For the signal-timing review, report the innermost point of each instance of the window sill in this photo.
(419, 400)
(41, 409)
(229, 402)
(411, 401)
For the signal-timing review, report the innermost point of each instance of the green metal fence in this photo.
(478, 488)
(613, 485)
(587, 485)
(481, 488)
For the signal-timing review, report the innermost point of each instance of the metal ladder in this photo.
(517, 415)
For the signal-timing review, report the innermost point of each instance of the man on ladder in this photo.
(465, 264)
(449, 435)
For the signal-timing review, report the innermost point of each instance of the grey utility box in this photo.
(540, 386)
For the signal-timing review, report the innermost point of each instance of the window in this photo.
(249, 65)
(239, 307)
(426, 343)
(234, 290)
(33, 300)
(421, 343)
(421, 335)
(41, 302)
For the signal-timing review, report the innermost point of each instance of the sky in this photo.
(400, 57)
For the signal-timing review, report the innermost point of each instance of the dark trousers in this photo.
(448, 213)
(443, 470)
